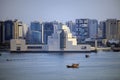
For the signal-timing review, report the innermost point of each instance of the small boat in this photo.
(73, 66)
(87, 56)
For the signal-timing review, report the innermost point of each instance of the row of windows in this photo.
(82, 20)
(34, 47)
(113, 23)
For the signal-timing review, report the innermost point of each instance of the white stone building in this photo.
(62, 40)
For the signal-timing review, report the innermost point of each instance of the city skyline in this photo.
(60, 10)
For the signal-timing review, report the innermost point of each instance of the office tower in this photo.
(93, 28)
(71, 25)
(28, 36)
(1, 31)
(48, 30)
(18, 29)
(111, 29)
(57, 25)
(25, 30)
(118, 24)
(102, 30)
(8, 31)
(82, 30)
(36, 33)
(63, 39)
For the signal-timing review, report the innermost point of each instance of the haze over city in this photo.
(60, 10)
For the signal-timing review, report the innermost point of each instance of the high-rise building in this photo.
(111, 29)
(57, 25)
(102, 30)
(36, 33)
(8, 31)
(93, 28)
(18, 29)
(86, 28)
(28, 36)
(82, 30)
(118, 24)
(1, 31)
(25, 30)
(71, 25)
(48, 30)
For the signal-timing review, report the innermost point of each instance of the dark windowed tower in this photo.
(36, 33)
(48, 30)
(8, 31)
(1, 31)
(62, 40)
(102, 27)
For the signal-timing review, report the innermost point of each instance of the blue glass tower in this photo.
(48, 30)
(36, 33)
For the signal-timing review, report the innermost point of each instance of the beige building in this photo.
(20, 45)
(18, 29)
(118, 23)
(112, 29)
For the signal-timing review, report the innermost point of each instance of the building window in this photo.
(34, 47)
(83, 47)
(18, 48)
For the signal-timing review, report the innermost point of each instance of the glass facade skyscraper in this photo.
(36, 33)
(1, 31)
(93, 28)
(8, 30)
(36, 37)
(48, 30)
(102, 27)
(36, 26)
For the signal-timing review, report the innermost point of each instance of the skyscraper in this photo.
(57, 25)
(36, 33)
(82, 30)
(1, 31)
(93, 28)
(118, 24)
(25, 30)
(18, 29)
(102, 30)
(62, 40)
(8, 31)
(48, 30)
(111, 29)
(71, 25)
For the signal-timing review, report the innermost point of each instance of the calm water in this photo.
(52, 66)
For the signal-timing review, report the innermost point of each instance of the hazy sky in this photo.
(60, 10)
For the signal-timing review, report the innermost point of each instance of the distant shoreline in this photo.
(52, 51)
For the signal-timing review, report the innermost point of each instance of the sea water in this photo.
(52, 66)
